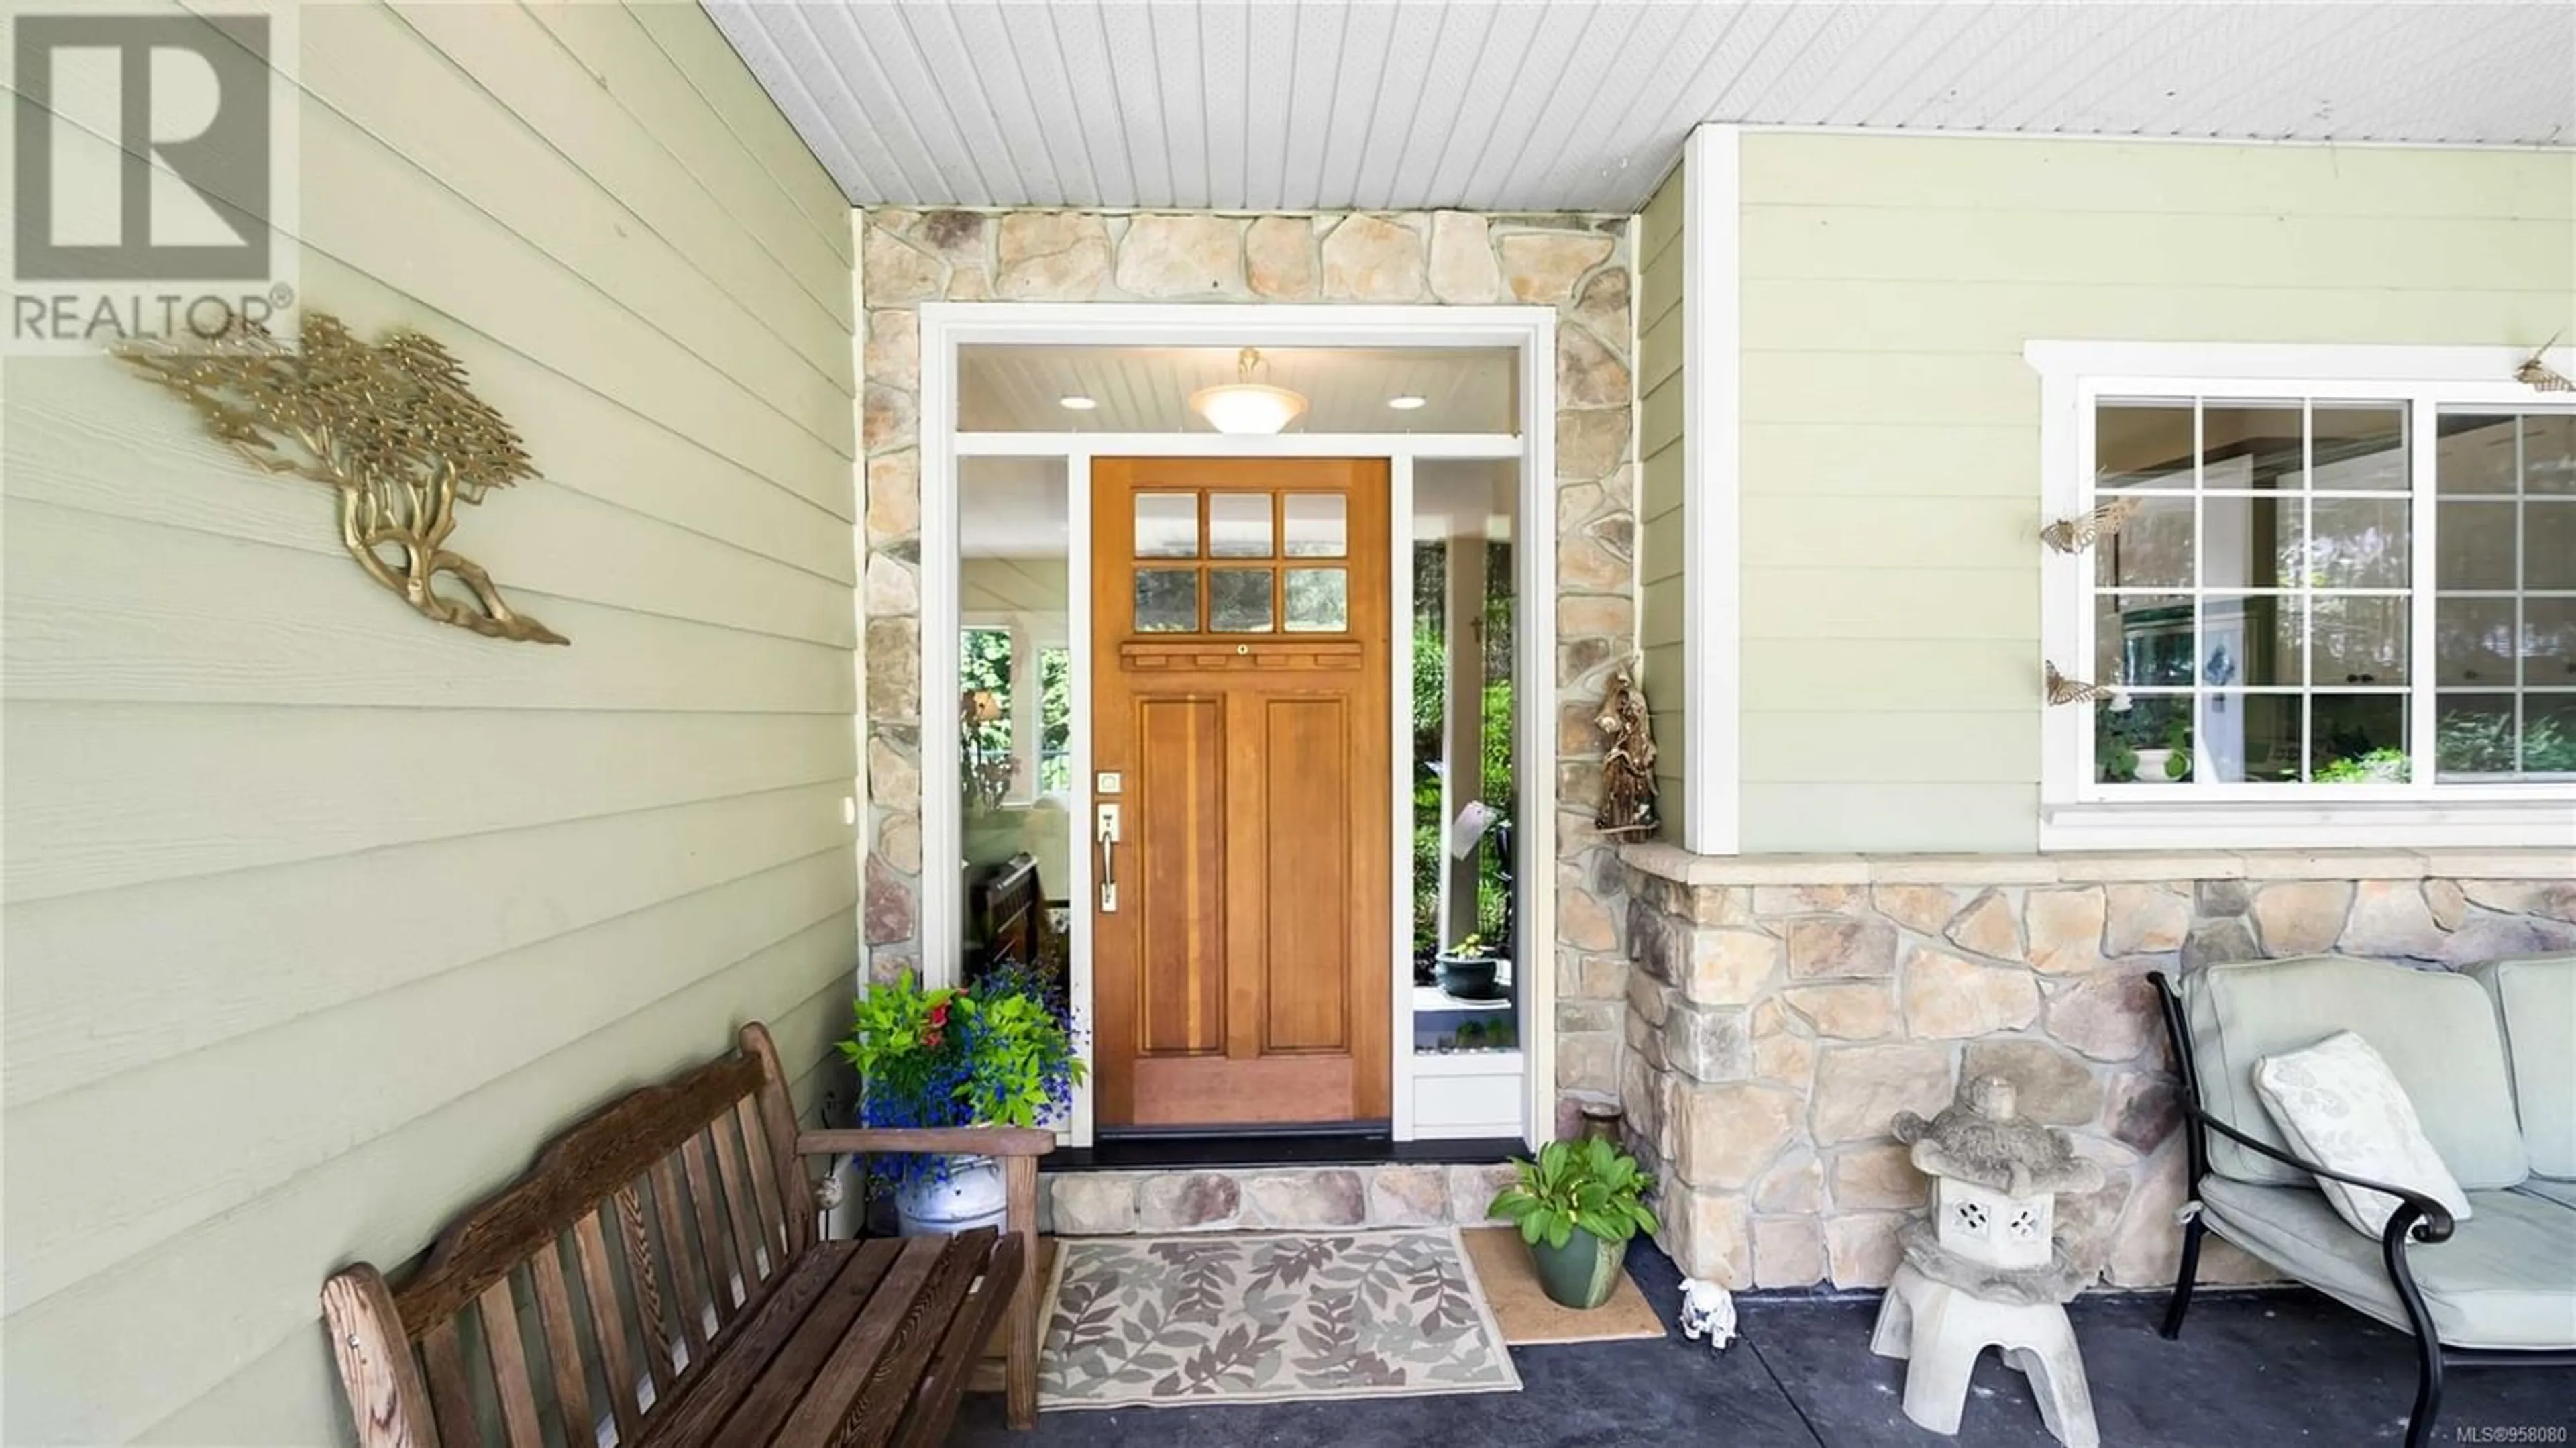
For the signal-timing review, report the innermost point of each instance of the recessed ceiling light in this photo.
(1407, 403)
(1075, 402)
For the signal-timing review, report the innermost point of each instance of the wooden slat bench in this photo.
(658, 1278)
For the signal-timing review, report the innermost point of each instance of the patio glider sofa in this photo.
(701, 1303)
(2488, 1059)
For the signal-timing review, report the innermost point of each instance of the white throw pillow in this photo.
(2339, 1106)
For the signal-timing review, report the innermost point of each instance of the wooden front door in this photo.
(1241, 962)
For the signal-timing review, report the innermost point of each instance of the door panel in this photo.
(1179, 802)
(1243, 975)
(1304, 768)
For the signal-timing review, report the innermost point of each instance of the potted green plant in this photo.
(1470, 969)
(2172, 763)
(1577, 1203)
(995, 1053)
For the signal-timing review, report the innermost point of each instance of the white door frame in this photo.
(945, 327)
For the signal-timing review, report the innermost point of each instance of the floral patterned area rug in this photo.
(1267, 1317)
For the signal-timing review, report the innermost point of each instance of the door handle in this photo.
(1106, 831)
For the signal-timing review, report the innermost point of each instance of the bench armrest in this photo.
(949, 1140)
(2417, 1215)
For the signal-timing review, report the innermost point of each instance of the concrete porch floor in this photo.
(2253, 1367)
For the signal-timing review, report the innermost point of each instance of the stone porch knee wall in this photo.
(1783, 1010)
(1580, 265)
(1399, 1194)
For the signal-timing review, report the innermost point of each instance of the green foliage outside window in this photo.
(1497, 781)
(1055, 720)
(985, 665)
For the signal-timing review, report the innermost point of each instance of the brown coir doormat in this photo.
(1502, 1265)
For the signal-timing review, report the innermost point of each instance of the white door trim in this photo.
(945, 327)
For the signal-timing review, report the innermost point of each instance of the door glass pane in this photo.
(1318, 525)
(1167, 525)
(1238, 600)
(1319, 600)
(1167, 600)
(1238, 525)
(1470, 791)
(1011, 723)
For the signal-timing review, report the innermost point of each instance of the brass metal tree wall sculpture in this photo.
(390, 426)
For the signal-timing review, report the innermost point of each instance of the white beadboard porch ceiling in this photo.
(1573, 105)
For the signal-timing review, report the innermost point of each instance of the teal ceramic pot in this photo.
(1581, 1273)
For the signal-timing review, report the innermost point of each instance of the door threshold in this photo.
(1170, 1152)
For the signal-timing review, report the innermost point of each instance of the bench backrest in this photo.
(2535, 1000)
(2436, 1031)
(586, 1293)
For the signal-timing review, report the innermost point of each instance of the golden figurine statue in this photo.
(1628, 773)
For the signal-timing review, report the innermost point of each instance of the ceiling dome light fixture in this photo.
(1245, 406)
(1075, 402)
(1408, 402)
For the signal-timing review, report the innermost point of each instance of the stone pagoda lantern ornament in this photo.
(1986, 1269)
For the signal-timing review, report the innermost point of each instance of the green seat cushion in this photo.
(2437, 1032)
(2506, 1279)
(2536, 1000)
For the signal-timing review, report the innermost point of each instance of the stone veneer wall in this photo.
(1578, 264)
(1399, 1194)
(1784, 1008)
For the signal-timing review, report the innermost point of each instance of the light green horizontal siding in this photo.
(322, 917)
(1891, 430)
(1661, 380)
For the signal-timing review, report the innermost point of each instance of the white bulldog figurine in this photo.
(1708, 1310)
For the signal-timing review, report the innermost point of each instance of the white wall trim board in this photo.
(2115, 138)
(1712, 490)
(2079, 812)
(945, 327)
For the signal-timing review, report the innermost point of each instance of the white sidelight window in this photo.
(2335, 589)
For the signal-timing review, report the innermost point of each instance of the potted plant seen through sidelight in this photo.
(1577, 1204)
(991, 1054)
(1471, 970)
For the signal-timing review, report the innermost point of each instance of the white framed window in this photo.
(2341, 608)
(1015, 708)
